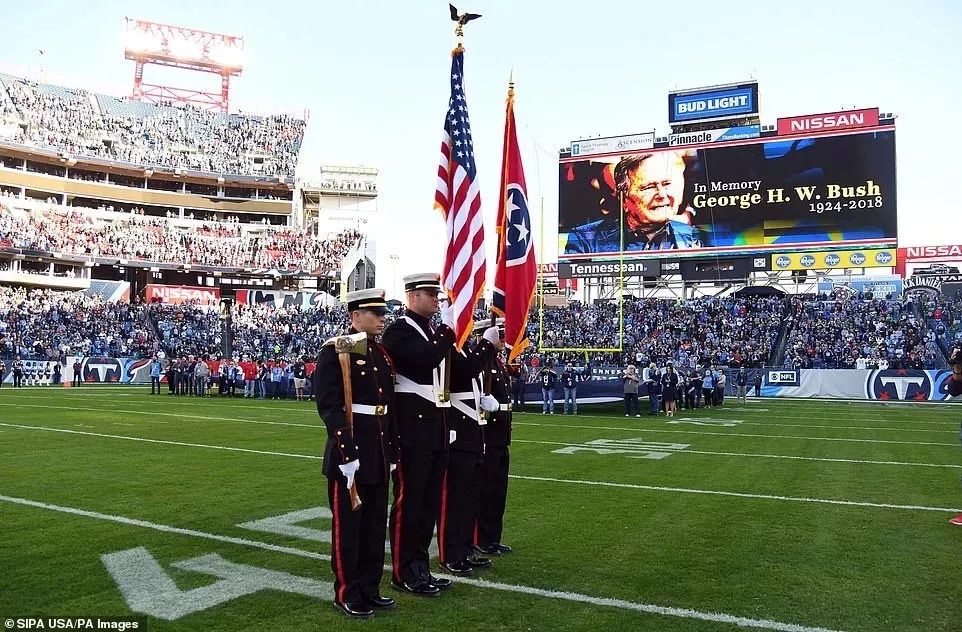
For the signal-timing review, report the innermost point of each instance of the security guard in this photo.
(420, 353)
(461, 489)
(494, 486)
(360, 452)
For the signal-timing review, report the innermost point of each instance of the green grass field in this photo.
(776, 515)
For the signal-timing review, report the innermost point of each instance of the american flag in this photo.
(459, 200)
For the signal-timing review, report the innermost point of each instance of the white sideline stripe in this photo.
(158, 414)
(530, 478)
(733, 434)
(180, 443)
(948, 431)
(684, 613)
(761, 456)
(711, 492)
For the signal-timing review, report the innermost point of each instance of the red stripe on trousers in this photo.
(338, 562)
(396, 549)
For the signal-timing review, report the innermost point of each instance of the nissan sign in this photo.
(851, 119)
(180, 294)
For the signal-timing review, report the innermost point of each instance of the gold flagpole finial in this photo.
(461, 19)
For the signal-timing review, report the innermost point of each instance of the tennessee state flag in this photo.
(517, 270)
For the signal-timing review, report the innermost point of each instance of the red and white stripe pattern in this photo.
(459, 200)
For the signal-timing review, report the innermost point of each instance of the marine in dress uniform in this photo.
(461, 487)
(494, 484)
(420, 352)
(359, 455)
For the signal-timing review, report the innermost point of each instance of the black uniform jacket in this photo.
(468, 366)
(420, 422)
(372, 384)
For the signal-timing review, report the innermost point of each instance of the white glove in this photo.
(492, 335)
(489, 403)
(447, 316)
(393, 467)
(349, 470)
(452, 435)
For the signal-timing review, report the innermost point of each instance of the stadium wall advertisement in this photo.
(878, 286)
(764, 194)
(180, 294)
(934, 253)
(835, 260)
(282, 298)
(887, 385)
(716, 103)
(851, 119)
(94, 370)
(714, 135)
(612, 144)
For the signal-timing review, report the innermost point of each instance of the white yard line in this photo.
(181, 415)
(710, 492)
(733, 434)
(760, 456)
(684, 613)
(179, 443)
(530, 478)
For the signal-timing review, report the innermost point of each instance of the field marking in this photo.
(712, 492)
(759, 423)
(766, 456)
(179, 443)
(532, 478)
(671, 611)
(731, 434)
(153, 413)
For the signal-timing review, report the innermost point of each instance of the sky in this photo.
(374, 76)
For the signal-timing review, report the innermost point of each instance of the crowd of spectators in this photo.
(75, 122)
(848, 332)
(692, 332)
(152, 239)
(42, 324)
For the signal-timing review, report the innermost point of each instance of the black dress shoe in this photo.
(442, 583)
(421, 588)
(474, 561)
(491, 549)
(503, 548)
(379, 603)
(457, 568)
(355, 609)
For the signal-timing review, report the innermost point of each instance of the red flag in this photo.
(517, 270)
(459, 199)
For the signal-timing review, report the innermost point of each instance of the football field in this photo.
(212, 515)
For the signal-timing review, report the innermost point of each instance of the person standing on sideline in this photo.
(17, 372)
(3, 371)
(741, 381)
(300, 376)
(758, 383)
(77, 370)
(549, 381)
(631, 381)
(155, 371)
(650, 377)
(720, 383)
(519, 378)
(420, 353)
(708, 387)
(359, 455)
(569, 383)
(201, 374)
(669, 390)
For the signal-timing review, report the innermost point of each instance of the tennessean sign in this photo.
(851, 119)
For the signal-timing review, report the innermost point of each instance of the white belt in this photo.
(505, 406)
(424, 391)
(363, 409)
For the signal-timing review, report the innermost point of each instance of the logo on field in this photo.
(832, 260)
(101, 370)
(807, 260)
(883, 257)
(783, 261)
(857, 258)
(899, 385)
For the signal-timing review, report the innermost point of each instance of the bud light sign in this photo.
(715, 103)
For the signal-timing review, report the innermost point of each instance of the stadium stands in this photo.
(81, 123)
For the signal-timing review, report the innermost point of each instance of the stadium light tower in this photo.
(189, 49)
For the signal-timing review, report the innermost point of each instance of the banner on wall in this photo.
(878, 286)
(888, 385)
